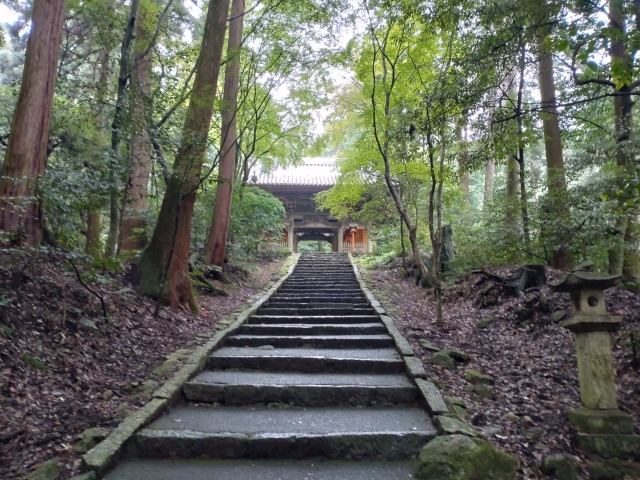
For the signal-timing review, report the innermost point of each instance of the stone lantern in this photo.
(600, 423)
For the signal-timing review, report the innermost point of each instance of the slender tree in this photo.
(556, 182)
(20, 211)
(216, 246)
(164, 263)
(94, 217)
(116, 130)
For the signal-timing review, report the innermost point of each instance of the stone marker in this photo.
(593, 327)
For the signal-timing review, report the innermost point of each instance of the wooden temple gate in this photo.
(296, 188)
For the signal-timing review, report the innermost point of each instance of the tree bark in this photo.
(94, 217)
(512, 179)
(217, 243)
(24, 161)
(164, 263)
(556, 181)
(623, 258)
(489, 175)
(116, 128)
(133, 225)
(513, 185)
(463, 160)
(524, 208)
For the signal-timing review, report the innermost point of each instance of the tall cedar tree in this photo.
(132, 223)
(216, 246)
(164, 263)
(20, 211)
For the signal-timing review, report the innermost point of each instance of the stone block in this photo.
(587, 420)
(414, 367)
(484, 391)
(100, 457)
(427, 345)
(561, 466)
(614, 470)
(457, 355)
(453, 426)
(445, 361)
(49, 470)
(431, 396)
(625, 447)
(476, 378)
(596, 370)
(460, 457)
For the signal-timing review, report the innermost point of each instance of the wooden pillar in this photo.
(291, 233)
(369, 243)
(340, 239)
(353, 240)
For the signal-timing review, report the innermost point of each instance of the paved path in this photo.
(310, 388)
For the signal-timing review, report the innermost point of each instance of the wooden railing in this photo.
(360, 247)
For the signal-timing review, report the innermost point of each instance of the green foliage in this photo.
(256, 219)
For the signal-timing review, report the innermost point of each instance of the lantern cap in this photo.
(582, 280)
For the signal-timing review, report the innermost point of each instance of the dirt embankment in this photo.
(532, 361)
(64, 369)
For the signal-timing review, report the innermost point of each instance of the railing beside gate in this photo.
(360, 247)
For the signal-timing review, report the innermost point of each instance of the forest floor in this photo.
(533, 363)
(64, 369)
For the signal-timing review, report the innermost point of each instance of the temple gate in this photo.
(296, 187)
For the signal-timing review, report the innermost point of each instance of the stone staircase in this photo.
(311, 387)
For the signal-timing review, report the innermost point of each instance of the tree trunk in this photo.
(623, 258)
(24, 161)
(217, 244)
(463, 161)
(489, 175)
(523, 186)
(513, 185)
(133, 225)
(94, 218)
(404, 252)
(116, 130)
(164, 263)
(435, 224)
(556, 182)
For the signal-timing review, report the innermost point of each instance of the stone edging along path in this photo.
(429, 394)
(104, 455)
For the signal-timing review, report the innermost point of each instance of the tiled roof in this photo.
(317, 171)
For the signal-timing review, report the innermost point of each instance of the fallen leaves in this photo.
(94, 368)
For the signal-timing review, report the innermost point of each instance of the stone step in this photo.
(313, 319)
(319, 291)
(262, 470)
(319, 329)
(323, 281)
(320, 285)
(302, 389)
(310, 305)
(347, 274)
(307, 360)
(329, 286)
(317, 299)
(317, 341)
(317, 310)
(296, 433)
(303, 296)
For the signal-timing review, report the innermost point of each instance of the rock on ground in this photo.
(458, 457)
